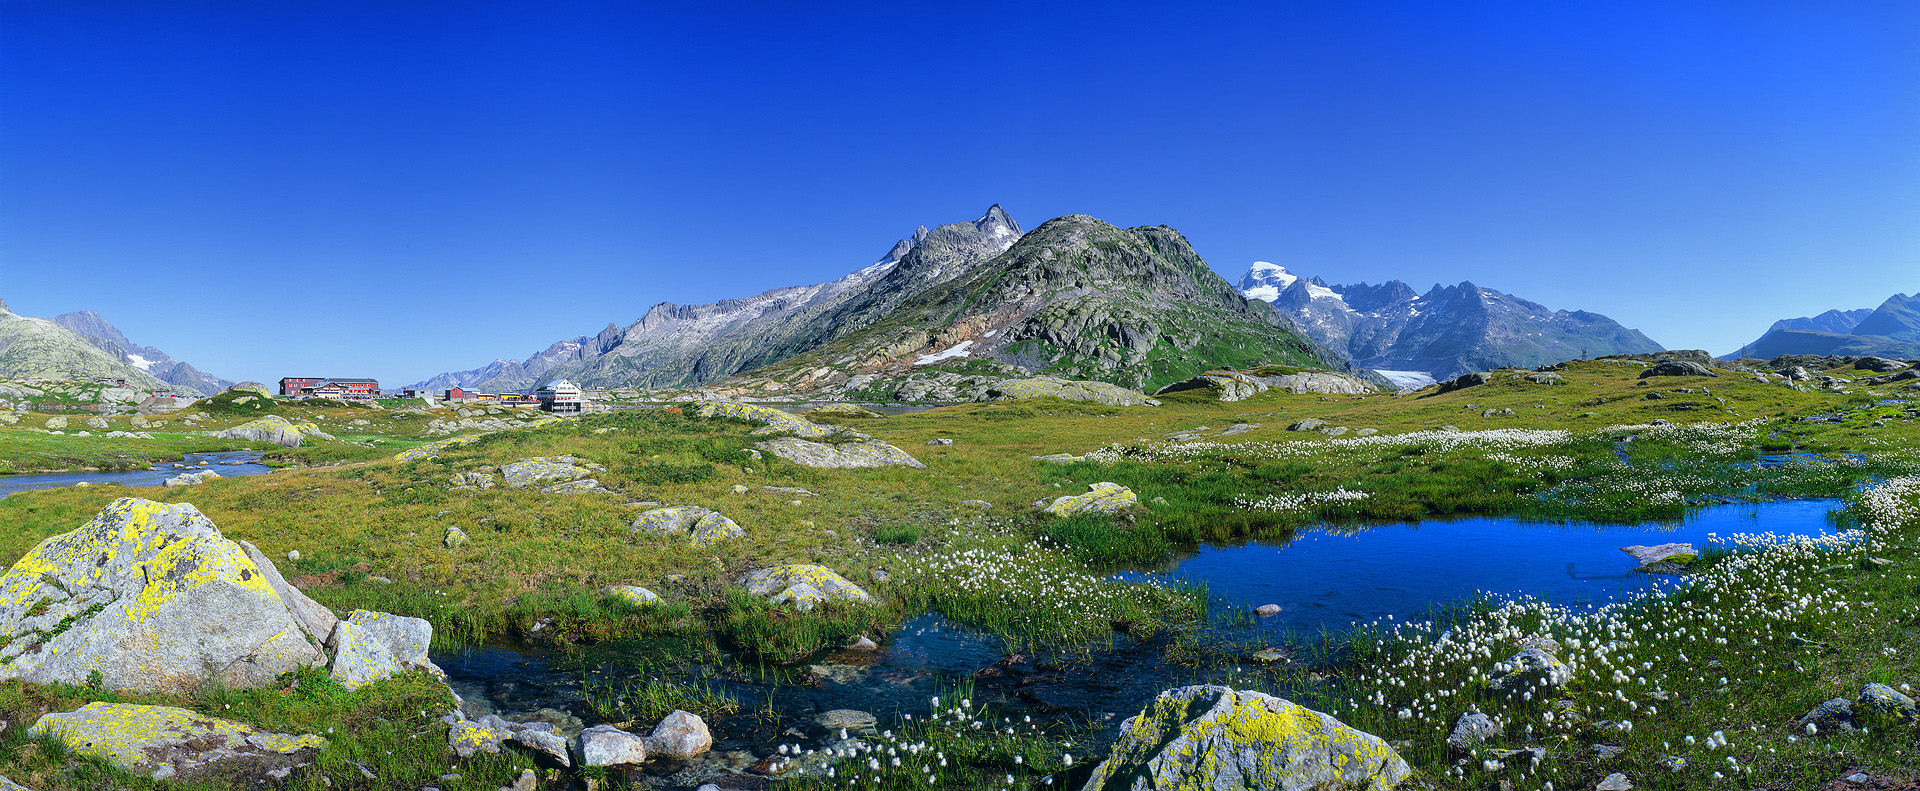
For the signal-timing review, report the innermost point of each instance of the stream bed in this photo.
(1324, 578)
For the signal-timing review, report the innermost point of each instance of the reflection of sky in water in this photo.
(154, 476)
(1329, 580)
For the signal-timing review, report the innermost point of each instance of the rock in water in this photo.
(275, 429)
(702, 526)
(605, 745)
(846, 455)
(162, 741)
(153, 597)
(1672, 553)
(1212, 737)
(1101, 498)
(680, 735)
(192, 478)
(1069, 389)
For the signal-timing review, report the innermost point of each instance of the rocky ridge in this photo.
(1445, 332)
(108, 338)
(31, 347)
(1890, 330)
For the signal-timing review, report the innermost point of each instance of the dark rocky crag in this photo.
(1448, 331)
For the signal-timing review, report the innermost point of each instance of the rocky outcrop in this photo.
(531, 472)
(1678, 368)
(370, 646)
(1465, 381)
(1240, 385)
(1213, 737)
(163, 742)
(152, 597)
(1101, 498)
(772, 421)
(1068, 389)
(1663, 553)
(275, 429)
(843, 455)
(701, 526)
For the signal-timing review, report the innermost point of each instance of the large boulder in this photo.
(1465, 381)
(528, 472)
(1678, 368)
(1671, 553)
(251, 387)
(679, 735)
(1069, 389)
(314, 618)
(1101, 498)
(275, 429)
(155, 599)
(772, 421)
(169, 743)
(779, 580)
(192, 478)
(1878, 365)
(701, 526)
(840, 455)
(1213, 737)
(606, 745)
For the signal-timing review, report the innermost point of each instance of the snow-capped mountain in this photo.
(1448, 331)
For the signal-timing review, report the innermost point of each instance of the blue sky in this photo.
(399, 189)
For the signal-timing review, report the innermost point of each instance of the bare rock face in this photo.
(1212, 737)
(1240, 385)
(152, 597)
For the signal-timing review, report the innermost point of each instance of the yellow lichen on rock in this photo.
(154, 598)
(143, 738)
(1101, 498)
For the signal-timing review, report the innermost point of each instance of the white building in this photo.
(562, 398)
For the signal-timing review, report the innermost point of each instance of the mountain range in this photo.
(1077, 298)
(47, 348)
(108, 338)
(1891, 330)
(1450, 330)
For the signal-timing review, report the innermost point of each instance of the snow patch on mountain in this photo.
(956, 350)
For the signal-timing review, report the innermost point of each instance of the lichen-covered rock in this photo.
(369, 646)
(605, 745)
(1069, 389)
(802, 596)
(844, 455)
(1887, 701)
(252, 387)
(1212, 737)
(471, 480)
(56, 422)
(1309, 424)
(680, 735)
(467, 737)
(631, 594)
(701, 526)
(167, 742)
(771, 581)
(582, 486)
(545, 742)
(1471, 729)
(275, 429)
(454, 537)
(153, 597)
(314, 618)
(773, 421)
(192, 478)
(527, 472)
(1101, 498)
(1667, 553)
(1534, 670)
(97, 422)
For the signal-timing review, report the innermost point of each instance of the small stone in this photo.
(738, 489)
(680, 735)
(525, 782)
(865, 643)
(1614, 782)
(1608, 752)
(1269, 655)
(455, 537)
(1471, 729)
(293, 555)
(852, 720)
(943, 441)
(605, 745)
(1267, 610)
(631, 594)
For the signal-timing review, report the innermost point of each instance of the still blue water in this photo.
(1332, 579)
(152, 476)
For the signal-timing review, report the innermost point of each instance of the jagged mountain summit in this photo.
(1075, 298)
(108, 338)
(1448, 331)
(690, 345)
(32, 347)
(1891, 330)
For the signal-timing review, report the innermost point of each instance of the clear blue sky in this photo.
(398, 189)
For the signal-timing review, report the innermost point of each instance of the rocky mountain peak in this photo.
(3, 307)
(995, 223)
